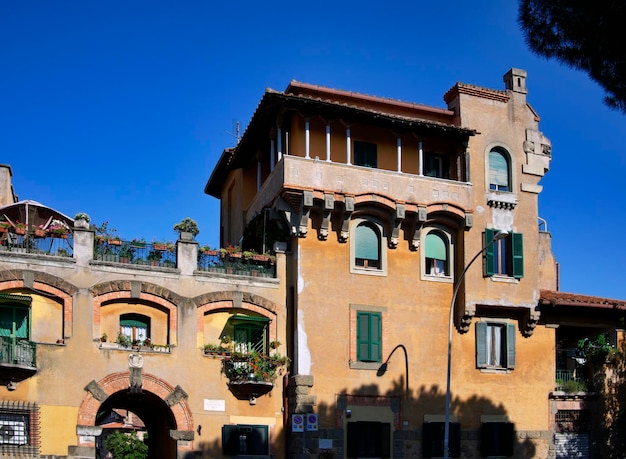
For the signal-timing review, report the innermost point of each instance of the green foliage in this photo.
(187, 225)
(587, 36)
(126, 446)
(574, 386)
(254, 367)
(123, 340)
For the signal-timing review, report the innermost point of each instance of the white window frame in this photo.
(449, 241)
(356, 269)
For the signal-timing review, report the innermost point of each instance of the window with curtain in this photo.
(436, 254)
(495, 345)
(499, 171)
(367, 246)
(506, 256)
(135, 326)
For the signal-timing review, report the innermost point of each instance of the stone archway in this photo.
(162, 407)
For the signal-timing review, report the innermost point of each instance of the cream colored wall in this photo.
(58, 434)
(63, 371)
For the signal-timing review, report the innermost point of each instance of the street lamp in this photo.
(446, 435)
(383, 368)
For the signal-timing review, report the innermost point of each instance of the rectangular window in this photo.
(436, 165)
(495, 345)
(369, 336)
(506, 256)
(433, 435)
(497, 439)
(19, 429)
(365, 154)
(249, 333)
(369, 439)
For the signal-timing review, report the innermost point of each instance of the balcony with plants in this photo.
(53, 238)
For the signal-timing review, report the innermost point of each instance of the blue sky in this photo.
(121, 109)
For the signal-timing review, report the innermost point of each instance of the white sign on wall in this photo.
(214, 405)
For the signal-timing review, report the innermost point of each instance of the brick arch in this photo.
(46, 283)
(122, 290)
(116, 382)
(215, 301)
(451, 209)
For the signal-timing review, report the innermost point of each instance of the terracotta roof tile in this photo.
(554, 298)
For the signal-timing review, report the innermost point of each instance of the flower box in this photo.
(38, 232)
(157, 246)
(20, 230)
(115, 242)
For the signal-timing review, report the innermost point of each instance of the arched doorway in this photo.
(154, 414)
(162, 408)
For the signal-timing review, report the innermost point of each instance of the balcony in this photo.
(17, 359)
(45, 245)
(135, 253)
(300, 173)
(237, 264)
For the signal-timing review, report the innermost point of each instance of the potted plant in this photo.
(39, 231)
(81, 220)
(226, 343)
(207, 250)
(58, 229)
(123, 340)
(212, 349)
(126, 253)
(4, 226)
(104, 338)
(187, 229)
(275, 344)
(154, 257)
(159, 245)
(139, 243)
(19, 227)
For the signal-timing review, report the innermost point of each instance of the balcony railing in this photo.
(135, 253)
(28, 243)
(568, 381)
(17, 352)
(236, 264)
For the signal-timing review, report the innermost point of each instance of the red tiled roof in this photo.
(550, 297)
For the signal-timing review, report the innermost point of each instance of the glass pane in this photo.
(498, 169)
(366, 245)
(435, 247)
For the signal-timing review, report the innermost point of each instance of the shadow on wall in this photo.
(426, 400)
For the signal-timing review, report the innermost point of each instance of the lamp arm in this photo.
(457, 285)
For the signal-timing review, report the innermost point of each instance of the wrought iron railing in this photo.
(569, 381)
(17, 352)
(136, 253)
(49, 244)
(215, 262)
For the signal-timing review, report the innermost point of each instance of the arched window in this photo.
(499, 171)
(436, 254)
(367, 246)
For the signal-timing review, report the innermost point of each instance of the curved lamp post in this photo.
(446, 435)
(383, 368)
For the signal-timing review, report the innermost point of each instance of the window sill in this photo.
(494, 371)
(435, 278)
(355, 365)
(504, 279)
(368, 271)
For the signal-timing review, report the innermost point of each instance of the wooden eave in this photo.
(274, 104)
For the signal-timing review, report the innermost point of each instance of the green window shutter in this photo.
(367, 243)
(490, 262)
(368, 337)
(481, 344)
(517, 247)
(435, 247)
(510, 346)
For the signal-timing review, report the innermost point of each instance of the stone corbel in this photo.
(348, 208)
(284, 209)
(398, 218)
(465, 320)
(329, 206)
(305, 210)
(469, 220)
(529, 323)
(422, 216)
